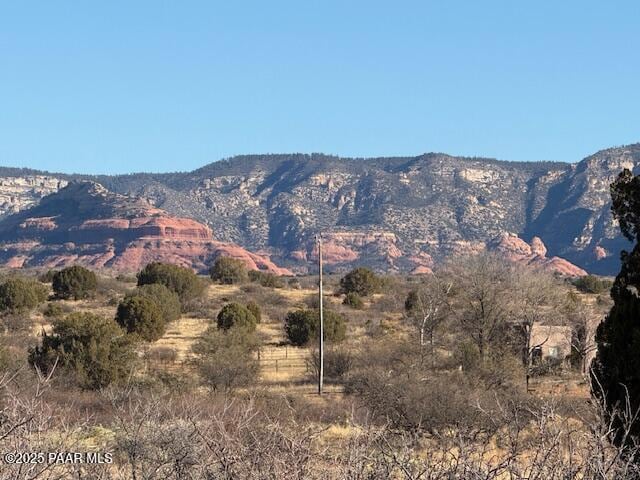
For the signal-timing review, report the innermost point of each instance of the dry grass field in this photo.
(283, 367)
(374, 412)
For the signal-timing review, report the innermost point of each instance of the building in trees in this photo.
(550, 343)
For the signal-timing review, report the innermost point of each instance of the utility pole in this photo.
(320, 309)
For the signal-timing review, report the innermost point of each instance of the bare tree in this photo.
(583, 318)
(536, 298)
(482, 305)
(426, 308)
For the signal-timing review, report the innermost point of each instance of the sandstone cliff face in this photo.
(19, 193)
(85, 224)
(395, 214)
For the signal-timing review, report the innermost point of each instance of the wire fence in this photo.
(283, 360)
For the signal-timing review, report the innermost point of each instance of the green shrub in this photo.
(361, 281)
(301, 326)
(94, 349)
(227, 270)
(254, 308)
(178, 279)
(225, 359)
(593, 284)
(353, 300)
(74, 282)
(266, 279)
(412, 302)
(234, 314)
(141, 316)
(166, 300)
(615, 377)
(21, 294)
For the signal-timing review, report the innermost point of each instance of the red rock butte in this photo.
(85, 224)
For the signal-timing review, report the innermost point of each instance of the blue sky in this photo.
(122, 86)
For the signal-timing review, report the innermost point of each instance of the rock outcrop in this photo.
(21, 192)
(85, 224)
(514, 249)
(429, 206)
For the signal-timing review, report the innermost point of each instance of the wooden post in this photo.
(321, 313)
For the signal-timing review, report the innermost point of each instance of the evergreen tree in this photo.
(21, 294)
(166, 300)
(74, 282)
(233, 314)
(360, 280)
(616, 369)
(180, 280)
(229, 271)
(142, 316)
(301, 326)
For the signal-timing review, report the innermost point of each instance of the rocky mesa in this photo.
(84, 223)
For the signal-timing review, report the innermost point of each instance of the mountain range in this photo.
(393, 214)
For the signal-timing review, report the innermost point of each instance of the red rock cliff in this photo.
(87, 225)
